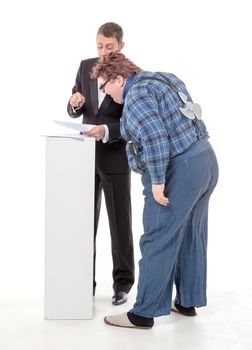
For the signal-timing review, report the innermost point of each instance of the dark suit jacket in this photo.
(110, 157)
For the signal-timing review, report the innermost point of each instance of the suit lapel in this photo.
(94, 98)
(94, 95)
(105, 103)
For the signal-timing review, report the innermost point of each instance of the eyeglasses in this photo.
(102, 86)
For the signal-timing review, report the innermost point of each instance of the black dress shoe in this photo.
(186, 311)
(119, 298)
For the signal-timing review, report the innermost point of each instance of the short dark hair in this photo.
(110, 30)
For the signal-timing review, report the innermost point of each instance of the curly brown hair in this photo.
(112, 65)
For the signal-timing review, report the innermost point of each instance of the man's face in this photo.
(106, 45)
(114, 88)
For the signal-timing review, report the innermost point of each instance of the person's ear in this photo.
(120, 80)
(121, 46)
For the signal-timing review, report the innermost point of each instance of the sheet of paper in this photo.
(75, 126)
(66, 136)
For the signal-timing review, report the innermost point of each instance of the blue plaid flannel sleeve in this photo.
(147, 128)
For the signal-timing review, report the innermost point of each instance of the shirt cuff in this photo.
(157, 180)
(106, 136)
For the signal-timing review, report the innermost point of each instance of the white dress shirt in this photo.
(101, 96)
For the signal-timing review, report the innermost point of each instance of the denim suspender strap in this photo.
(172, 87)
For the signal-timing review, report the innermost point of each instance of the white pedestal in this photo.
(69, 221)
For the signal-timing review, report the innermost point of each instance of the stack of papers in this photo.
(75, 126)
(70, 125)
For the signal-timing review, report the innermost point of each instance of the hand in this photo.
(98, 132)
(77, 100)
(158, 193)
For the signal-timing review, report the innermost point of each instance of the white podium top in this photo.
(70, 136)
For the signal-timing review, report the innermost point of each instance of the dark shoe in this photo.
(186, 311)
(119, 298)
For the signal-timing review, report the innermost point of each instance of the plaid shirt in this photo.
(158, 129)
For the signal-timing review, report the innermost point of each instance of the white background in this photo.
(205, 43)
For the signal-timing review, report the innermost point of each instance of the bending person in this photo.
(168, 144)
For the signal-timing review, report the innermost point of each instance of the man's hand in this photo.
(98, 132)
(158, 193)
(77, 100)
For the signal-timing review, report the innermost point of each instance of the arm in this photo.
(147, 127)
(75, 106)
(108, 133)
(154, 140)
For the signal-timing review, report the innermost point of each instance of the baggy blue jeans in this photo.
(174, 243)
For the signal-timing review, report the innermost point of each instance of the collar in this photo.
(129, 83)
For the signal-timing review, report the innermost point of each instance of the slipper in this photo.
(122, 320)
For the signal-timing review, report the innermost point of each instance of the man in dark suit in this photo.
(112, 173)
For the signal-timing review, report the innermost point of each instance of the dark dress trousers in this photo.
(112, 175)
